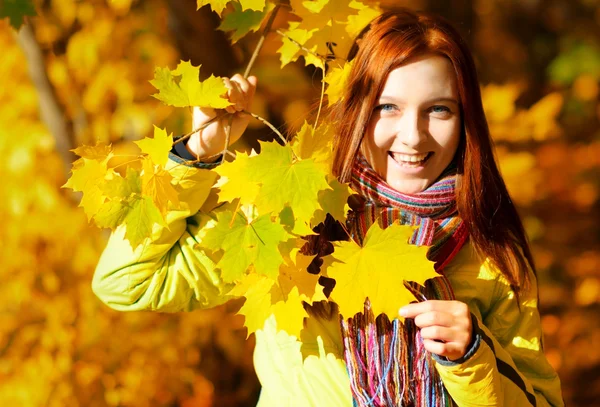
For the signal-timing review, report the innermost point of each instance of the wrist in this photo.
(202, 156)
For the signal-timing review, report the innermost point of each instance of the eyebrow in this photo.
(440, 99)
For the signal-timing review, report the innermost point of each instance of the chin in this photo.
(408, 186)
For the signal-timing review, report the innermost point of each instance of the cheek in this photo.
(380, 136)
(446, 135)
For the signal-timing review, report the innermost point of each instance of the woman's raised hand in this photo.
(211, 140)
(446, 326)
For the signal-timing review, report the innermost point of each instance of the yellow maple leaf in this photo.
(233, 184)
(333, 201)
(377, 271)
(336, 82)
(216, 5)
(315, 144)
(364, 16)
(189, 91)
(88, 174)
(318, 13)
(292, 273)
(156, 184)
(158, 147)
(256, 5)
(98, 152)
(289, 50)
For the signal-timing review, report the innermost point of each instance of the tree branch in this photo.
(51, 113)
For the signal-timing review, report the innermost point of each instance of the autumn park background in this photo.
(78, 73)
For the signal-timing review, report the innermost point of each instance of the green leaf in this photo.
(242, 22)
(286, 181)
(141, 216)
(189, 91)
(16, 10)
(246, 243)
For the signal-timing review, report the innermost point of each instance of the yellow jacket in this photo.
(170, 273)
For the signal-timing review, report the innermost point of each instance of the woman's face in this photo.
(415, 127)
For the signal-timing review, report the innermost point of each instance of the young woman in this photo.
(413, 142)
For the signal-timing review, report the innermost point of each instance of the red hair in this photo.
(393, 39)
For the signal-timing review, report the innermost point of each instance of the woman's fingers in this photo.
(241, 92)
(430, 318)
(450, 350)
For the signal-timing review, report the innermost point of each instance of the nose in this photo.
(412, 130)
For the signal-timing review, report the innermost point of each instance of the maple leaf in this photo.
(98, 152)
(281, 297)
(216, 5)
(316, 144)
(88, 177)
(286, 181)
(123, 187)
(88, 174)
(290, 51)
(293, 273)
(190, 91)
(318, 13)
(246, 243)
(252, 4)
(16, 10)
(139, 219)
(158, 147)
(156, 184)
(360, 20)
(336, 80)
(331, 41)
(333, 201)
(377, 270)
(242, 22)
(234, 182)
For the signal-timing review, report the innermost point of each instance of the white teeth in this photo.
(409, 158)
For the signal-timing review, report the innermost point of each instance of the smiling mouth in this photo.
(410, 160)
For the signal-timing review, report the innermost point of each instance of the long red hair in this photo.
(393, 39)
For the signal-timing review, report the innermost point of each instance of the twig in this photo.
(261, 40)
(228, 134)
(266, 122)
(322, 96)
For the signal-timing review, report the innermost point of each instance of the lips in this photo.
(413, 160)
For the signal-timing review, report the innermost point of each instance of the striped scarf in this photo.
(386, 360)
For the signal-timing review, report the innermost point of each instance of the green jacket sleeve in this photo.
(509, 367)
(168, 272)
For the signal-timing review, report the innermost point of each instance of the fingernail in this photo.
(402, 312)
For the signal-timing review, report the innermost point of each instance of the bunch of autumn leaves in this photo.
(271, 200)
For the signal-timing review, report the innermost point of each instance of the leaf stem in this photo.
(127, 162)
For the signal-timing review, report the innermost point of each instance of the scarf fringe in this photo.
(370, 353)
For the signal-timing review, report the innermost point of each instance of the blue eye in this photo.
(440, 109)
(385, 107)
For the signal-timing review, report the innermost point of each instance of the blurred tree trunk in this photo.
(198, 39)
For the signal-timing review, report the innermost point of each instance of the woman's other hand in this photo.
(211, 140)
(446, 326)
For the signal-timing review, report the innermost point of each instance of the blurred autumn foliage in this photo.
(78, 73)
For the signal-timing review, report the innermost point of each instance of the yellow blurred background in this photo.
(78, 74)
